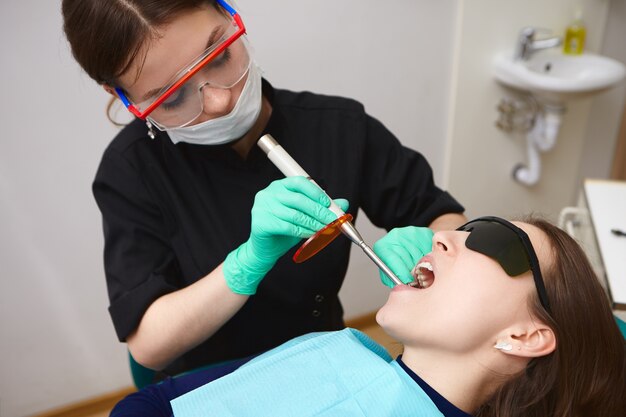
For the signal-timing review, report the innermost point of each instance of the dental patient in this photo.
(503, 319)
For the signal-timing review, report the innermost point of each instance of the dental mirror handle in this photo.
(290, 168)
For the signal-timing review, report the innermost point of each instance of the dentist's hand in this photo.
(283, 213)
(401, 249)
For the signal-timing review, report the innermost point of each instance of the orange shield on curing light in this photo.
(321, 239)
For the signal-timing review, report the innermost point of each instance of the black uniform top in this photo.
(171, 214)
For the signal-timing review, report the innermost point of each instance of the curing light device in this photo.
(290, 168)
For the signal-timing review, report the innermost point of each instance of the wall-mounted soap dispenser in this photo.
(575, 33)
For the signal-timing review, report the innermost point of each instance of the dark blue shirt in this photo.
(446, 407)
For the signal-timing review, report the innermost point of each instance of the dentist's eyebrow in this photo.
(209, 43)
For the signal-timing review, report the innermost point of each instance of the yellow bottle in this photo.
(574, 42)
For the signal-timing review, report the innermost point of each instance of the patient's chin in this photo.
(391, 312)
(381, 316)
(385, 319)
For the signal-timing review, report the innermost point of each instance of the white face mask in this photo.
(230, 127)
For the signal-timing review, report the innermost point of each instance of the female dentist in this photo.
(191, 226)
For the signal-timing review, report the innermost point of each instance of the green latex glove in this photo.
(286, 211)
(401, 249)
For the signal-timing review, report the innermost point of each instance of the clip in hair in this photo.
(504, 346)
(150, 130)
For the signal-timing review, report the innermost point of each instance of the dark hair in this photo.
(106, 36)
(586, 374)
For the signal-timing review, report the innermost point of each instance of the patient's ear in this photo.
(531, 341)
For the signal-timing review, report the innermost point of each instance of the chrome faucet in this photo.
(527, 44)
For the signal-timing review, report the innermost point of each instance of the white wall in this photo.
(58, 345)
(481, 157)
(602, 130)
(57, 342)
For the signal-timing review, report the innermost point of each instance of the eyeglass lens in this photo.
(186, 103)
(509, 246)
(499, 243)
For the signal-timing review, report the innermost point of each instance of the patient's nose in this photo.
(446, 241)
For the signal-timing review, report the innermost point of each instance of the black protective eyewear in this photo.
(508, 245)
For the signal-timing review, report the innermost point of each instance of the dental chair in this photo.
(142, 376)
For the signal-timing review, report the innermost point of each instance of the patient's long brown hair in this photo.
(585, 375)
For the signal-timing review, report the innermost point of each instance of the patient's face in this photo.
(470, 301)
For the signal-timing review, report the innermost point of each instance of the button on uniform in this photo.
(318, 299)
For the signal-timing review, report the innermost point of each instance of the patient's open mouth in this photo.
(423, 275)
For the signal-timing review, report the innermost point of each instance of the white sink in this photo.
(554, 77)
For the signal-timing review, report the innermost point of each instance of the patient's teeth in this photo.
(426, 265)
(421, 281)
